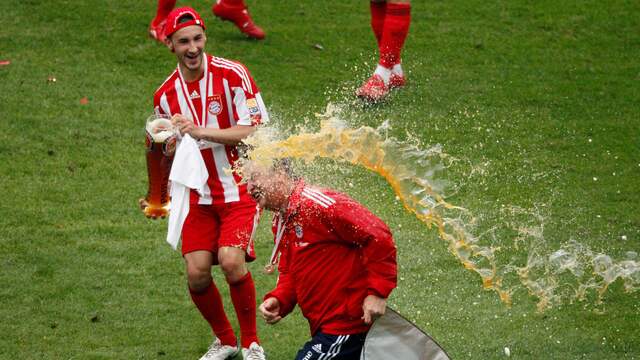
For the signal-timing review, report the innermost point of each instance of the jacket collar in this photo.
(294, 200)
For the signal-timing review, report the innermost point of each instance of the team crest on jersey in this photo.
(215, 105)
(298, 230)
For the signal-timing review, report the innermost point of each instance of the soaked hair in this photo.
(286, 166)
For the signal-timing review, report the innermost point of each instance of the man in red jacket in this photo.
(337, 261)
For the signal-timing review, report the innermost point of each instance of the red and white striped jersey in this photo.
(225, 95)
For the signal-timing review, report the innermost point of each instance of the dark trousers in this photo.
(332, 347)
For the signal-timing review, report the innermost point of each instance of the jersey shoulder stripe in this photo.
(237, 68)
(321, 195)
(166, 81)
(318, 198)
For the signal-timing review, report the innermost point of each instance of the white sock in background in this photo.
(397, 69)
(384, 73)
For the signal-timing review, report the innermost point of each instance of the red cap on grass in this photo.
(173, 20)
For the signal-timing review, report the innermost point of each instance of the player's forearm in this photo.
(229, 136)
(382, 268)
(284, 291)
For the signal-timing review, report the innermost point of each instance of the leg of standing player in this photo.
(156, 28)
(390, 22)
(200, 234)
(239, 222)
(206, 297)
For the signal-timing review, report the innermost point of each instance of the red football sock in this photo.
(243, 296)
(378, 10)
(396, 26)
(209, 302)
(164, 8)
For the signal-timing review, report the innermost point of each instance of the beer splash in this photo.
(415, 176)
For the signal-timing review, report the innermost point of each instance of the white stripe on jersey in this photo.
(182, 102)
(240, 100)
(164, 104)
(210, 93)
(205, 196)
(321, 194)
(317, 199)
(206, 80)
(227, 95)
(238, 69)
(231, 191)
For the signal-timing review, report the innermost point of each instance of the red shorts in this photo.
(210, 227)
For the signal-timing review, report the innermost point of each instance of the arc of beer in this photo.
(417, 191)
(414, 175)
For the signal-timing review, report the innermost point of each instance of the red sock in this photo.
(209, 302)
(396, 26)
(164, 8)
(377, 18)
(243, 296)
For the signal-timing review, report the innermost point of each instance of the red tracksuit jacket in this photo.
(333, 253)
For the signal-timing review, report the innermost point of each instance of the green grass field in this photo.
(540, 102)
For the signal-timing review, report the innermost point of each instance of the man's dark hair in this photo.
(185, 18)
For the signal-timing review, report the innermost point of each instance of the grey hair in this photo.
(285, 165)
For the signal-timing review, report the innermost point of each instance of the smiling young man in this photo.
(337, 261)
(217, 102)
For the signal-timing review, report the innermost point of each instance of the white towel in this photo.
(187, 172)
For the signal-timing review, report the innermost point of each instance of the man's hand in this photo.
(186, 126)
(142, 202)
(373, 307)
(270, 310)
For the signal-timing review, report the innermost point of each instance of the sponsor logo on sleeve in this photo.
(254, 111)
(252, 104)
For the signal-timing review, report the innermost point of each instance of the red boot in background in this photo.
(373, 90)
(156, 31)
(156, 28)
(236, 12)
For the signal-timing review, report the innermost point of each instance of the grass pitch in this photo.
(541, 99)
